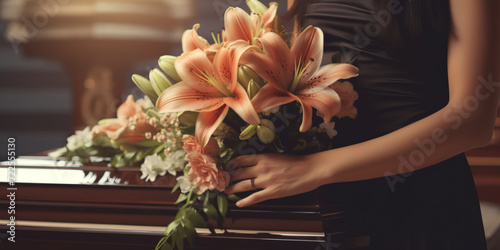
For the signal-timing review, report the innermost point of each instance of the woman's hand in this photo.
(276, 175)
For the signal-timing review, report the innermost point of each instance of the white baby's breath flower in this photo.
(152, 167)
(184, 184)
(81, 138)
(328, 128)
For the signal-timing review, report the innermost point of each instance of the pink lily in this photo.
(209, 87)
(191, 40)
(239, 25)
(295, 75)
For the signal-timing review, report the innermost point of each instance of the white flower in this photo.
(176, 162)
(57, 153)
(329, 128)
(81, 138)
(184, 184)
(179, 157)
(145, 103)
(153, 166)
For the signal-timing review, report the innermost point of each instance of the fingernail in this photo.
(238, 203)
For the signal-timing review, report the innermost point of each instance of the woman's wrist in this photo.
(324, 167)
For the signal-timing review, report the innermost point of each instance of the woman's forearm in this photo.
(431, 140)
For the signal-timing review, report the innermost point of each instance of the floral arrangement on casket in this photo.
(253, 90)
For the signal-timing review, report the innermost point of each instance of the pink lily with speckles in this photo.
(294, 74)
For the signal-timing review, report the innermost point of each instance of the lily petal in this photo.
(208, 122)
(270, 97)
(242, 106)
(125, 134)
(191, 40)
(195, 69)
(306, 115)
(103, 129)
(276, 64)
(181, 97)
(326, 76)
(126, 109)
(142, 127)
(308, 52)
(223, 61)
(238, 25)
(270, 15)
(326, 102)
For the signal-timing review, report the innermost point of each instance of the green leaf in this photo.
(190, 233)
(207, 198)
(233, 197)
(182, 197)
(179, 239)
(159, 149)
(171, 227)
(222, 204)
(186, 129)
(167, 246)
(190, 194)
(187, 118)
(210, 211)
(161, 242)
(181, 213)
(195, 218)
(177, 186)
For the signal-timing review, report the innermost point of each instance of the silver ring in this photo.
(252, 183)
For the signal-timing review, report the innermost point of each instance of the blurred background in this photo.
(65, 64)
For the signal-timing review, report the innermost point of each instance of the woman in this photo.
(428, 91)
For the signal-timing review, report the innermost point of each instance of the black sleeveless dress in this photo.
(433, 208)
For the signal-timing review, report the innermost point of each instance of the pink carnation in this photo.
(204, 173)
(192, 145)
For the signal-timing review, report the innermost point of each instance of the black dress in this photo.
(433, 208)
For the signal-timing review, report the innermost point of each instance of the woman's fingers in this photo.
(242, 186)
(243, 173)
(255, 198)
(243, 161)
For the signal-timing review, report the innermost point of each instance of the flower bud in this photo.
(159, 81)
(145, 86)
(245, 74)
(167, 65)
(265, 131)
(252, 89)
(248, 132)
(257, 7)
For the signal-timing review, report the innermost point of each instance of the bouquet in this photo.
(253, 90)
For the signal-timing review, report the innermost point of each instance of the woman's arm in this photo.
(466, 122)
